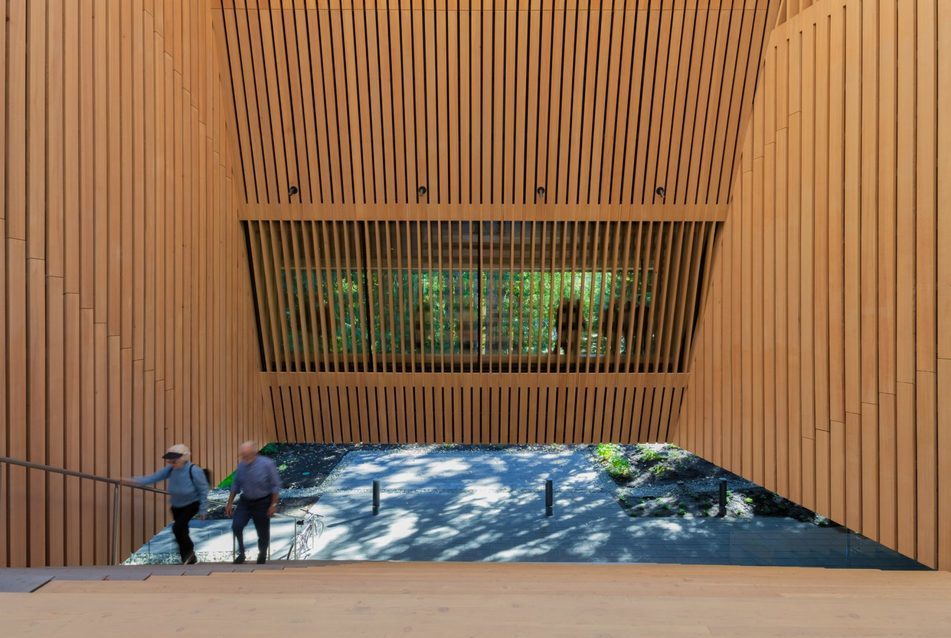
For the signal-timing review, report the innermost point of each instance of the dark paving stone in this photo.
(22, 580)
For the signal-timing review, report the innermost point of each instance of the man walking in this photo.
(259, 484)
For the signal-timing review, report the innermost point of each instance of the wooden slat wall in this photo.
(530, 112)
(477, 408)
(537, 101)
(789, 8)
(839, 240)
(367, 356)
(127, 321)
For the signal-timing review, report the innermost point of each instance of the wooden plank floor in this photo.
(473, 599)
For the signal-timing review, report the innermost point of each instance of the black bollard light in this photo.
(722, 511)
(376, 497)
(549, 497)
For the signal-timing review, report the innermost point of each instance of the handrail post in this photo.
(721, 509)
(115, 524)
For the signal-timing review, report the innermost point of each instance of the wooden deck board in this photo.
(427, 599)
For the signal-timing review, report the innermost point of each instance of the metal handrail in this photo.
(116, 484)
(85, 475)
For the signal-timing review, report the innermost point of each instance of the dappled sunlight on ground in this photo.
(441, 503)
(488, 505)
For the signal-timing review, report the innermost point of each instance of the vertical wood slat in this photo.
(277, 71)
(55, 257)
(644, 277)
(869, 274)
(926, 318)
(312, 299)
(943, 293)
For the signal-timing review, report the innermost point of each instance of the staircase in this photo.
(214, 541)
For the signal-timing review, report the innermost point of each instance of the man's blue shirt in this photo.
(256, 479)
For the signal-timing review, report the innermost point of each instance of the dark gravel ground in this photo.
(665, 480)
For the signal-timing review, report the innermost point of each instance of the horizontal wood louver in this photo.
(407, 102)
(487, 296)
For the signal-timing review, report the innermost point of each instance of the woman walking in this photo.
(188, 488)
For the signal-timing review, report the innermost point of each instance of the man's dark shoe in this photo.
(261, 559)
(239, 559)
(192, 559)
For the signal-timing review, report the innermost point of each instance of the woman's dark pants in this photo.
(182, 516)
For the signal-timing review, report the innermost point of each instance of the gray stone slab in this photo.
(13, 580)
(489, 506)
(422, 469)
(213, 542)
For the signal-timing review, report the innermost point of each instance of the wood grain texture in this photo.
(119, 236)
(504, 400)
(756, 601)
(858, 150)
(575, 62)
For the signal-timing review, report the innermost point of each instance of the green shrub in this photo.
(650, 455)
(226, 482)
(270, 448)
(619, 467)
(676, 455)
(660, 469)
(607, 451)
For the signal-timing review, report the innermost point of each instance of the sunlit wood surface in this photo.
(484, 102)
(454, 599)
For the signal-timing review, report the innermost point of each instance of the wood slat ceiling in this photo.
(520, 103)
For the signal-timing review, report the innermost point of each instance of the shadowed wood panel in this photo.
(858, 323)
(423, 407)
(629, 102)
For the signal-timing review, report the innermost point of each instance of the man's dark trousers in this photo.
(182, 516)
(255, 509)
